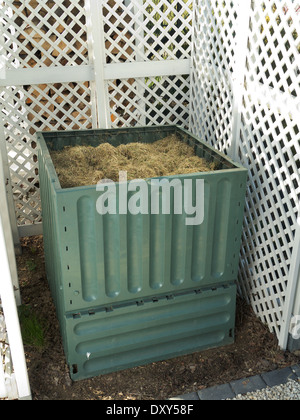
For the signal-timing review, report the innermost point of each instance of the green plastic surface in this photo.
(94, 260)
(105, 341)
(100, 266)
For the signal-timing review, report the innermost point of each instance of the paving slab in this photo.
(215, 393)
(245, 385)
(296, 370)
(187, 397)
(279, 377)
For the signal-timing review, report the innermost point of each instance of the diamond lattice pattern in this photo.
(275, 47)
(213, 60)
(28, 109)
(149, 101)
(54, 33)
(269, 139)
(44, 33)
(140, 30)
(270, 148)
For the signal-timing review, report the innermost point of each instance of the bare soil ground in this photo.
(255, 351)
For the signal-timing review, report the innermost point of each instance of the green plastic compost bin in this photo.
(130, 289)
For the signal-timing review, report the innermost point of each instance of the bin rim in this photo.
(43, 147)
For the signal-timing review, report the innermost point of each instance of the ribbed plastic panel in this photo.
(94, 259)
(111, 339)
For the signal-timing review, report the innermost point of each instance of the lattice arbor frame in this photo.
(92, 63)
(248, 106)
(270, 146)
(78, 64)
(38, 37)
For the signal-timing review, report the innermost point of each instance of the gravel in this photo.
(288, 391)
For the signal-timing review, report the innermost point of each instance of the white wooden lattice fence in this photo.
(13, 372)
(246, 102)
(83, 64)
(228, 70)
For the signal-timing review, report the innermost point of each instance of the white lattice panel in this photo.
(39, 35)
(270, 148)
(6, 369)
(268, 141)
(139, 30)
(28, 109)
(55, 34)
(44, 33)
(272, 204)
(275, 47)
(149, 101)
(213, 57)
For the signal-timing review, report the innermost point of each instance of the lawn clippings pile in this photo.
(86, 165)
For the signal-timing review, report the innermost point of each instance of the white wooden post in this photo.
(3, 152)
(3, 390)
(292, 303)
(139, 54)
(8, 215)
(95, 31)
(12, 324)
(9, 193)
(8, 300)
